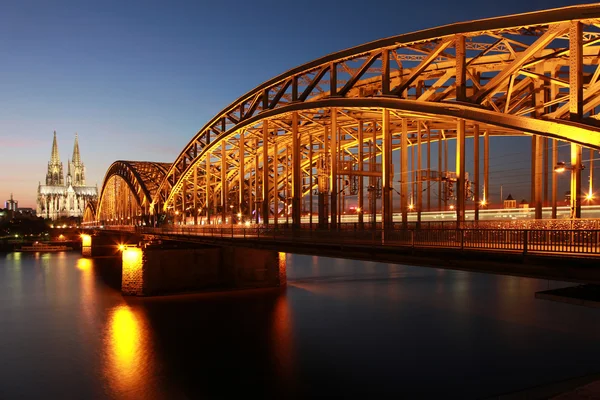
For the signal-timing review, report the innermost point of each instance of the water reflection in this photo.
(342, 329)
(282, 339)
(125, 336)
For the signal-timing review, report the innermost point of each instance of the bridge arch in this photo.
(336, 123)
(502, 76)
(127, 192)
(89, 214)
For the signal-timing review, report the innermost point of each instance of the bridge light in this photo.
(560, 167)
(589, 196)
(451, 206)
(247, 223)
(122, 247)
(483, 202)
(411, 206)
(358, 210)
(239, 215)
(176, 212)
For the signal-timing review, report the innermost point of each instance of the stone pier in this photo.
(151, 270)
(105, 245)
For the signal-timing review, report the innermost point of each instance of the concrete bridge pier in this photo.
(152, 270)
(106, 244)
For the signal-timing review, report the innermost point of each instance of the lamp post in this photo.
(575, 185)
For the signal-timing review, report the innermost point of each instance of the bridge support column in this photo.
(486, 168)
(333, 171)
(538, 177)
(476, 171)
(151, 271)
(104, 245)
(265, 175)
(296, 173)
(386, 170)
(575, 181)
(575, 110)
(404, 174)
(361, 205)
(554, 176)
(460, 173)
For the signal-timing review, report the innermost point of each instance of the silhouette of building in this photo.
(510, 202)
(11, 204)
(524, 204)
(60, 196)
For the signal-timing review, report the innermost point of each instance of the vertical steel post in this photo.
(275, 181)
(418, 174)
(256, 176)
(372, 179)
(575, 181)
(446, 183)
(591, 183)
(287, 185)
(310, 179)
(208, 179)
(428, 130)
(360, 177)
(296, 173)
(554, 176)
(545, 171)
(334, 161)
(486, 168)
(241, 184)
(539, 149)
(195, 206)
(576, 110)
(223, 182)
(386, 171)
(460, 172)
(404, 174)
(265, 175)
(476, 171)
(440, 149)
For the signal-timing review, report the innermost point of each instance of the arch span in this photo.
(128, 190)
(335, 124)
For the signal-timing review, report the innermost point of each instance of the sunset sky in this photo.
(136, 80)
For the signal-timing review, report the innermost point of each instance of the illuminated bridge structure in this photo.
(375, 122)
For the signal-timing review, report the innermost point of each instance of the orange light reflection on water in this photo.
(126, 361)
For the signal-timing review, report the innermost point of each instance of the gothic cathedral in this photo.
(61, 197)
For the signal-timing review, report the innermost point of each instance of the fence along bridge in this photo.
(300, 145)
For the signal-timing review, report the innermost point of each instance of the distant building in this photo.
(12, 204)
(524, 204)
(510, 202)
(61, 197)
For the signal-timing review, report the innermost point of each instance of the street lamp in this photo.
(562, 167)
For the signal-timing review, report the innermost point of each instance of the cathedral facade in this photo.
(64, 196)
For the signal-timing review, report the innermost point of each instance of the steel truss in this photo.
(355, 115)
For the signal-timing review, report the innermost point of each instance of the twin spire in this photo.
(75, 168)
(55, 157)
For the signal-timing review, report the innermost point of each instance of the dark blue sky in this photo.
(137, 79)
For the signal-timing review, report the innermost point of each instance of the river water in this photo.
(343, 329)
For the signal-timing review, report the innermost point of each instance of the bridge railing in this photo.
(583, 242)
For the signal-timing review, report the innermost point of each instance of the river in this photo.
(343, 329)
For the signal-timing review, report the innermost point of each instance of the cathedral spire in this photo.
(76, 157)
(55, 158)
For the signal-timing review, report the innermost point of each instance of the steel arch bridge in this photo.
(343, 123)
(127, 193)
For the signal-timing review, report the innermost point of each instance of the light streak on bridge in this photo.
(339, 126)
